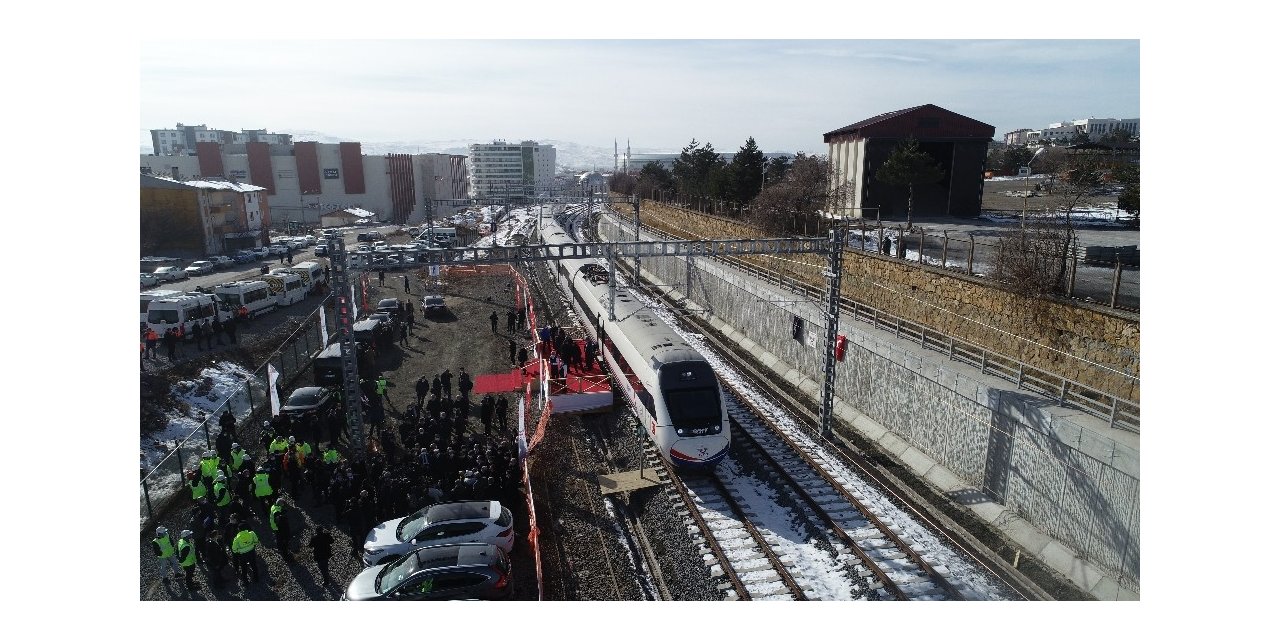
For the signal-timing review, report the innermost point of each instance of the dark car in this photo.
(308, 400)
(321, 250)
(391, 307)
(327, 367)
(432, 304)
(446, 572)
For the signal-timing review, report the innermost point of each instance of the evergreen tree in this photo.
(655, 180)
(908, 166)
(695, 173)
(745, 174)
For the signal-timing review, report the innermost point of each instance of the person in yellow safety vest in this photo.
(209, 464)
(221, 493)
(242, 549)
(187, 558)
(301, 453)
(197, 486)
(237, 456)
(331, 456)
(165, 550)
(262, 488)
(279, 519)
(279, 445)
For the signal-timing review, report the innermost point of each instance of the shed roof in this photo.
(925, 121)
(164, 182)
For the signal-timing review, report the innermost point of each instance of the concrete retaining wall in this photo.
(1057, 481)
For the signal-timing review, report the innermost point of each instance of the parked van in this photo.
(312, 273)
(156, 294)
(253, 294)
(167, 313)
(286, 286)
(444, 236)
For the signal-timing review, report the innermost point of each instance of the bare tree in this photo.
(789, 203)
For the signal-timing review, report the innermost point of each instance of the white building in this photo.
(1064, 132)
(500, 169)
(182, 139)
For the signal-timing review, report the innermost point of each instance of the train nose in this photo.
(700, 451)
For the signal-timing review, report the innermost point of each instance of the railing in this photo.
(1120, 414)
(250, 403)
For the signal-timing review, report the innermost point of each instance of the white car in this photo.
(221, 261)
(277, 250)
(260, 252)
(446, 523)
(166, 274)
(148, 279)
(199, 267)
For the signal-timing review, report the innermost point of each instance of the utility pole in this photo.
(635, 202)
(346, 317)
(835, 263)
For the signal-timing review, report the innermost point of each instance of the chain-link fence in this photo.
(250, 404)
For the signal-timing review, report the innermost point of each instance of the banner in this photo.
(272, 377)
(353, 302)
(324, 328)
(521, 442)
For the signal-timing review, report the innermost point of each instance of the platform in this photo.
(628, 481)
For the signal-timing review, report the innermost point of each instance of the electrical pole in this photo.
(835, 263)
(346, 317)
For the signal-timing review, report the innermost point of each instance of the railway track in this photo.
(946, 546)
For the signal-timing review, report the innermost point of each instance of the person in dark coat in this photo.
(227, 422)
(170, 343)
(486, 412)
(522, 357)
(493, 321)
(512, 348)
(215, 559)
(500, 409)
(197, 332)
(446, 383)
(322, 549)
(222, 444)
(511, 320)
(230, 328)
(464, 385)
(421, 388)
(206, 329)
(436, 387)
(218, 328)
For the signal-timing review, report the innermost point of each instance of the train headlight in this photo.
(680, 432)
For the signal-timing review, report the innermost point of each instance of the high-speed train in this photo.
(680, 402)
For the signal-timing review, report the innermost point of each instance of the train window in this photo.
(694, 408)
(647, 400)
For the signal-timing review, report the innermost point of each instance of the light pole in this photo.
(1025, 172)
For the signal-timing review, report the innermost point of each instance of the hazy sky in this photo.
(658, 93)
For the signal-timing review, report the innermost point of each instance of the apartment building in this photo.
(502, 169)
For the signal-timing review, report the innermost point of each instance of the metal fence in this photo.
(1098, 275)
(250, 404)
(1118, 413)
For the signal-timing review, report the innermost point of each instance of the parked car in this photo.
(277, 249)
(441, 572)
(221, 261)
(170, 273)
(260, 252)
(307, 401)
(445, 523)
(148, 279)
(432, 304)
(389, 306)
(321, 250)
(199, 267)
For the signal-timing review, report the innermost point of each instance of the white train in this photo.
(680, 404)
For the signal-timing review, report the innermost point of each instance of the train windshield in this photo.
(694, 408)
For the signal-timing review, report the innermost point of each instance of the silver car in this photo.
(446, 523)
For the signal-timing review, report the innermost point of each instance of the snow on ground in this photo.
(964, 575)
(205, 397)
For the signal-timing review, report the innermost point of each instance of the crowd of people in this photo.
(202, 334)
(432, 456)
